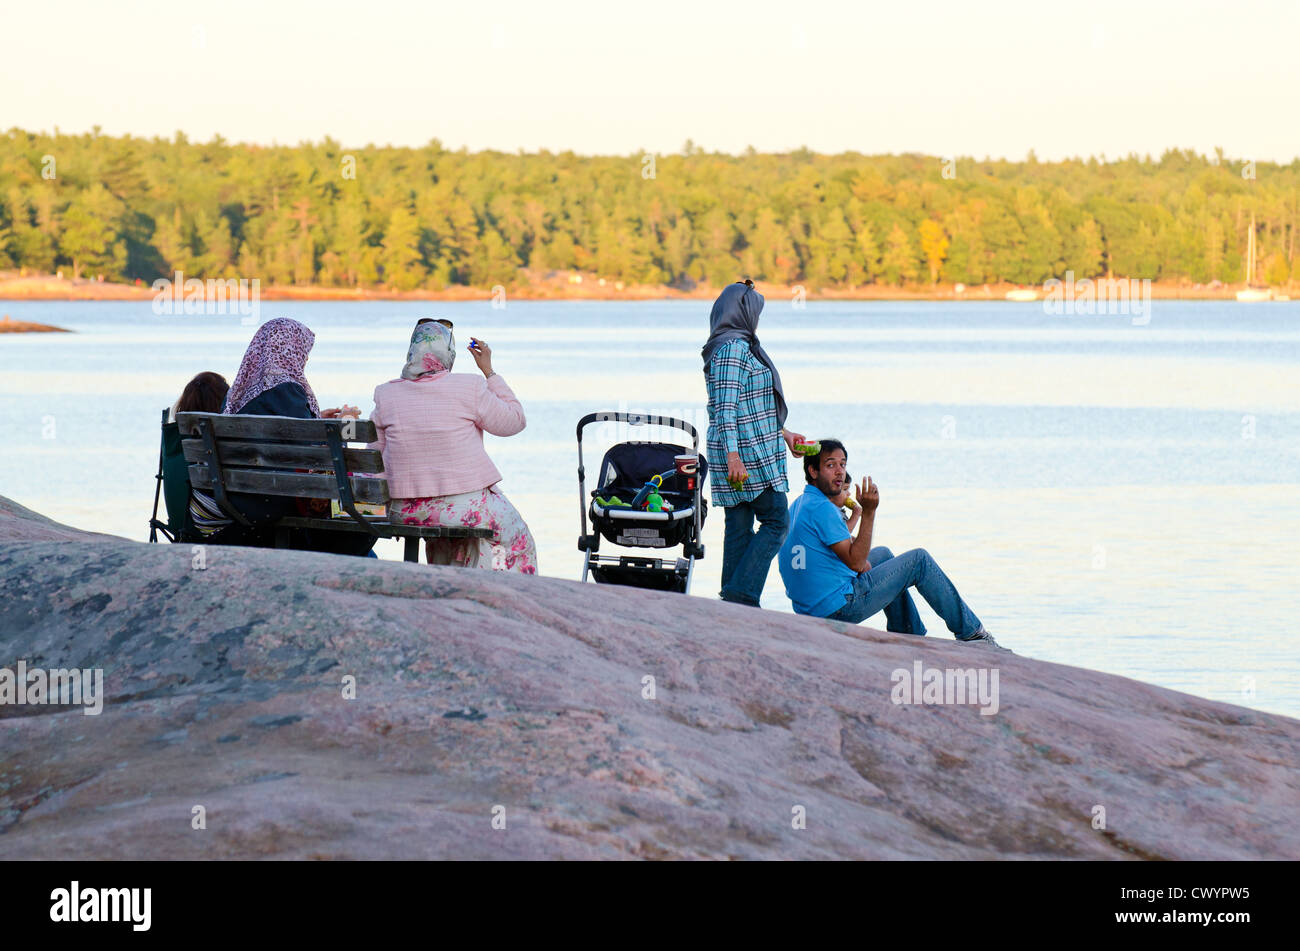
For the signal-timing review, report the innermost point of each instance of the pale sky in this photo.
(944, 78)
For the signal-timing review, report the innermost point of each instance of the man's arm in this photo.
(854, 552)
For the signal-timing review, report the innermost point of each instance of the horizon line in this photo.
(1220, 155)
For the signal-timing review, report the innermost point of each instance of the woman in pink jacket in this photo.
(430, 425)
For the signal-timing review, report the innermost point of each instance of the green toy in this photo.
(654, 502)
(613, 502)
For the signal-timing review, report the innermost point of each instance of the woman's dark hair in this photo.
(828, 445)
(203, 394)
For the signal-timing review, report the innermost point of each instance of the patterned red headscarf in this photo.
(276, 354)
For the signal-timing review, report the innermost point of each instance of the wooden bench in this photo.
(261, 455)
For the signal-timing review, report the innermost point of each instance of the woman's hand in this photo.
(736, 471)
(341, 412)
(790, 439)
(482, 355)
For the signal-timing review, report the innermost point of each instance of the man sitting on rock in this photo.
(832, 574)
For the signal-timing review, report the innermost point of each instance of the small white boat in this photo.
(1023, 294)
(1252, 293)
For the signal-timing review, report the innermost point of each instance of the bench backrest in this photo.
(259, 455)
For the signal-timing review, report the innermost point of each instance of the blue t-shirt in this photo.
(815, 578)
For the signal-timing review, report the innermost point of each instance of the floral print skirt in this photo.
(511, 547)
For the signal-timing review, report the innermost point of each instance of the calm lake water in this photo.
(1106, 495)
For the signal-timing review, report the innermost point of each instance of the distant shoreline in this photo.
(564, 287)
(10, 326)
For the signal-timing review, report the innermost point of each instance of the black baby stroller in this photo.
(628, 470)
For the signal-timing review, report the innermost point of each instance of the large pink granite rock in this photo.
(482, 695)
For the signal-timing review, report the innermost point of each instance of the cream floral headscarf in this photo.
(433, 350)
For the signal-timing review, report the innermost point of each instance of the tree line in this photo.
(405, 218)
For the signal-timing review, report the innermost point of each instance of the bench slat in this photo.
(304, 485)
(283, 456)
(387, 528)
(274, 427)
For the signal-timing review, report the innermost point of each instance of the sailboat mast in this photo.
(1250, 253)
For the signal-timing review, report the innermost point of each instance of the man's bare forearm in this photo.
(861, 546)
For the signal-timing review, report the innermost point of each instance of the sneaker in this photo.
(984, 638)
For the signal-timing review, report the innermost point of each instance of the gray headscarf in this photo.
(735, 317)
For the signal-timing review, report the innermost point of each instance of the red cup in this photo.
(687, 467)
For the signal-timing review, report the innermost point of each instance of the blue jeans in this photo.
(885, 586)
(746, 554)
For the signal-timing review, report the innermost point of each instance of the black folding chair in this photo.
(155, 526)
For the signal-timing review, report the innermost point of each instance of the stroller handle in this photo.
(639, 419)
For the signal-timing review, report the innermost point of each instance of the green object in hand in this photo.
(807, 448)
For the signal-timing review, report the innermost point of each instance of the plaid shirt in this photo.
(742, 418)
